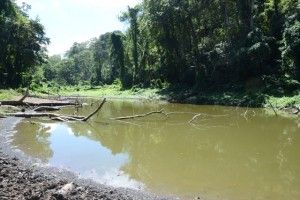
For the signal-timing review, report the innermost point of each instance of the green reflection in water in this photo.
(228, 154)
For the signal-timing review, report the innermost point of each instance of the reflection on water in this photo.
(226, 153)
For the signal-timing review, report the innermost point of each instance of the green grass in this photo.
(111, 91)
(8, 94)
(176, 94)
(285, 101)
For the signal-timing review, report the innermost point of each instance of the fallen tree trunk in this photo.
(46, 108)
(58, 117)
(18, 103)
(30, 115)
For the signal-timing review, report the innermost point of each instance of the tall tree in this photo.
(22, 44)
(132, 17)
(117, 57)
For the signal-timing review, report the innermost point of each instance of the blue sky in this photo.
(69, 21)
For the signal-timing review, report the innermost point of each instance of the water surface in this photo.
(226, 153)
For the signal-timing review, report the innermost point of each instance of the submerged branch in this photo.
(273, 108)
(191, 122)
(194, 118)
(140, 116)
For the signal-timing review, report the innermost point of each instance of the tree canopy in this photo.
(22, 44)
(198, 43)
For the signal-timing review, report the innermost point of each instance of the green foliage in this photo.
(291, 46)
(101, 51)
(118, 58)
(222, 45)
(22, 42)
(98, 61)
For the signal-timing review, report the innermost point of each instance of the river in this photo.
(224, 153)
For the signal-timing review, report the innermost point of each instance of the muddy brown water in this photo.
(226, 153)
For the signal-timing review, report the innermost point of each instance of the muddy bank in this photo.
(24, 178)
(19, 182)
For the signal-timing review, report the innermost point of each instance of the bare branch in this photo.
(273, 108)
(140, 116)
(25, 95)
(46, 108)
(96, 111)
(194, 118)
(57, 117)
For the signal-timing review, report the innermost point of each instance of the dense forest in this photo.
(22, 44)
(201, 44)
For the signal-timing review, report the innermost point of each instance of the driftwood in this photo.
(139, 116)
(97, 110)
(194, 118)
(18, 102)
(191, 122)
(46, 108)
(57, 117)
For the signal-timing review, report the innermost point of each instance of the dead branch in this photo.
(25, 95)
(30, 115)
(126, 122)
(97, 110)
(57, 117)
(46, 108)
(16, 103)
(273, 108)
(194, 118)
(245, 114)
(52, 116)
(140, 116)
(22, 102)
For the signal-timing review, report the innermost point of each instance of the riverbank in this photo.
(17, 181)
(172, 94)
